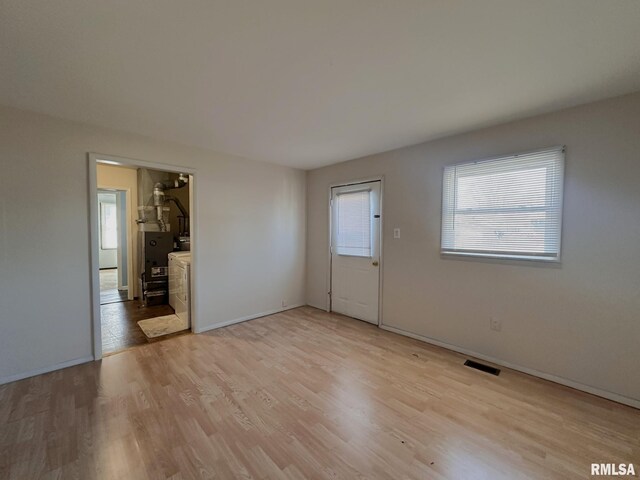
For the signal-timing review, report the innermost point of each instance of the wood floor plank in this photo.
(303, 394)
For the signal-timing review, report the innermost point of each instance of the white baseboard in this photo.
(632, 402)
(39, 371)
(247, 318)
(319, 307)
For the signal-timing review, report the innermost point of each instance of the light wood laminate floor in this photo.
(303, 394)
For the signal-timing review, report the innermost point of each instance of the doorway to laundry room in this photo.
(143, 244)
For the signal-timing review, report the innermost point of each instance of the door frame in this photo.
(127, 221)
(380, 179)
(93, 159)
(114, 194)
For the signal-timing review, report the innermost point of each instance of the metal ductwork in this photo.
(179, 182)
(159, 197)
(158, 202)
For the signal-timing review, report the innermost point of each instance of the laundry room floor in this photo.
(120, 329)
(109, 292)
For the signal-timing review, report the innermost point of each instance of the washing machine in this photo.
(180, 285)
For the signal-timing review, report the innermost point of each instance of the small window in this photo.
(506, 207)
(354, 224)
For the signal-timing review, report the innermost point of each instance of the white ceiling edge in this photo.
(367, 153)
(535, 113)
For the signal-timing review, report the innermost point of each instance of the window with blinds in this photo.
(108, 226)
(353, 236)
(506, 207)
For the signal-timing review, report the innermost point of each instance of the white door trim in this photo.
(126, 221)
(381, 277)
(93, 160)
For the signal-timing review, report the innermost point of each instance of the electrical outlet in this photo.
(396, 233)
(495, 324)
(284, 303)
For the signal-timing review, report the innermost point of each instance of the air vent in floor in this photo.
(484, 368)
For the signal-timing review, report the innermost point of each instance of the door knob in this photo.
(375, 263)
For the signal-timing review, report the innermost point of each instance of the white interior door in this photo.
(355, 250)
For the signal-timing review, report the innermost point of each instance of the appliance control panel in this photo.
(159, 271)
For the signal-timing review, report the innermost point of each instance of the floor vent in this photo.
(483, 367)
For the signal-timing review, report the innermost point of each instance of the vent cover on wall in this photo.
(481, 366)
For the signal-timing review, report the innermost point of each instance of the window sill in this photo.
(498, 256)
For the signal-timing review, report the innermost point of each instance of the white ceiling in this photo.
(309, 83)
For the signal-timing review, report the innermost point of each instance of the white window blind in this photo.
(353, 236)
(508, 207)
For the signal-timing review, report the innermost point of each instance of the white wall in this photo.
(579, 321)
(250, 235)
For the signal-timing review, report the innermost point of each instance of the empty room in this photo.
(319, 239)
